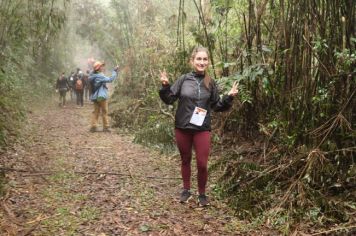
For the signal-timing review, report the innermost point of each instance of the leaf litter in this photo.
(134, 193)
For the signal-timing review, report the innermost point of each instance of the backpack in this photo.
(79, 84)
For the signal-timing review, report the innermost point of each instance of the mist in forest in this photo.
(109, 30)
(84, 53)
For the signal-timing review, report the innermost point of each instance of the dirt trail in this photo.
(82, 183)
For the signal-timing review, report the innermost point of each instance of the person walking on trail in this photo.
(62, 87)
(71, 86)
(79, 86)
(99, 94)
(86, 85)
(197, 96)
(75, 78)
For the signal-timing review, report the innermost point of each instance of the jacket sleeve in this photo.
(220, 104)
(100, 78)
(169, 94)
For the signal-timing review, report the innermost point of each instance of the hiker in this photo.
(99, 94)
(79, 86)
(197, 96)
(71, 85)
(75, 78)
(62, 87)
(86, 85)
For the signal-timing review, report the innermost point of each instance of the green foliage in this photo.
(11, 107)
(152, 128)
(346, 59)
(158, 133)
(28, 61)
(225, 84)
(320, 46)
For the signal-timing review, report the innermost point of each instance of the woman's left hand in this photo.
(164, 78)
(234, 89)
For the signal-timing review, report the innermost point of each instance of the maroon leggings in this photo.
(186, 139)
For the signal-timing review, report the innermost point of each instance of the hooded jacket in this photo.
(191, 92)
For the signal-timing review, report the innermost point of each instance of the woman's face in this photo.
(200, 62)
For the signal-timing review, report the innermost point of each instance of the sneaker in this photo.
(185, 196)
(93, 129)
(107, 130)
(203, 200)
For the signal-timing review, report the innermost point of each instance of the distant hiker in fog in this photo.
(79, 87)
(99, 94)
(90, 63)
(75, 78)
(86, 85)
(71, 85)
(197, 96)
(62, 87)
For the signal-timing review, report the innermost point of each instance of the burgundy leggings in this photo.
(186, 139)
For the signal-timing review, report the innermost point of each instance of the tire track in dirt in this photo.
(136, 196)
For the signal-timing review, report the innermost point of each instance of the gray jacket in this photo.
(191, 92)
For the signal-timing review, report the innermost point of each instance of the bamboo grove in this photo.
(295, 63)
(285, 153)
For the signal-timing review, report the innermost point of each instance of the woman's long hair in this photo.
(207, 78)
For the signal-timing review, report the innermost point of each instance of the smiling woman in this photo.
(200, 62)
(197, 96)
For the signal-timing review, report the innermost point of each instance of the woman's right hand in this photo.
(164, 78)
(234, 90)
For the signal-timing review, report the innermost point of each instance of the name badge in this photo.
(198, 116)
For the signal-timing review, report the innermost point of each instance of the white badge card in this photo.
(198, 116)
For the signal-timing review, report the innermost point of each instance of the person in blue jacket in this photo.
(99, 94)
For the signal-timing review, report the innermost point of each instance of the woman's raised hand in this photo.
(234, 89)
(164, 78)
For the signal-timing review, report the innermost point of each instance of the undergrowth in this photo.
(301, 187)
(150, 125)
(11, 108)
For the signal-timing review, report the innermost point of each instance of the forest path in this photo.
(82, 183)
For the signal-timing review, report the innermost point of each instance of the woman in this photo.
(198, 95)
